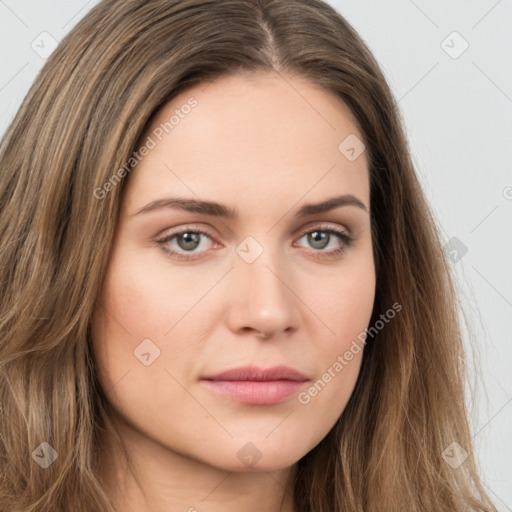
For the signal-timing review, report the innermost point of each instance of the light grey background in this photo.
(457, 108)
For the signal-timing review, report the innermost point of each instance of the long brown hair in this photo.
(81, 122)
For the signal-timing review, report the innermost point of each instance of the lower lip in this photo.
(255, 392)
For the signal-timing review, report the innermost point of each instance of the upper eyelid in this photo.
(304, 229)
(323, 225)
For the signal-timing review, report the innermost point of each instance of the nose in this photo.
(261, 297)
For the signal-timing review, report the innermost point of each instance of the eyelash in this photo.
(342, 235)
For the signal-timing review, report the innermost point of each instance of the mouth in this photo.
(253, 385)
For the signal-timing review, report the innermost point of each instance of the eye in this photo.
(320, 237)
(188, 239)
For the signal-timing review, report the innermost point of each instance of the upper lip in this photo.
(254, 373)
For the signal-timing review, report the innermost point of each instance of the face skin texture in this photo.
(265, 146)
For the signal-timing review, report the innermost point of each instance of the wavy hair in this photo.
(81, 120)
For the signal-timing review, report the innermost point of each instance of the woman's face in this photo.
(260, 147)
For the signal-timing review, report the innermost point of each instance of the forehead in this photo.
(252, 135)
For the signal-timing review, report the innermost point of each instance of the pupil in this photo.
(191, 240)
(319, 236)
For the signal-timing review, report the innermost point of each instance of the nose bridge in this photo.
(262, 296)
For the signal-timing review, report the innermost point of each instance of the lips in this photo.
(256, 386)
(255, 374)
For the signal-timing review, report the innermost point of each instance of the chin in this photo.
(264, 456)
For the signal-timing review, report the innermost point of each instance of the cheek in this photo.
(144, 298)
(345, 304)
(129, 312)
(143, 309)
(345, 308)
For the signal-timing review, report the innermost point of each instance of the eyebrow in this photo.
(223, 211)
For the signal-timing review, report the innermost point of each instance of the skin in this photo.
(266, 145)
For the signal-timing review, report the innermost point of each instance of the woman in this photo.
(262, 371)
